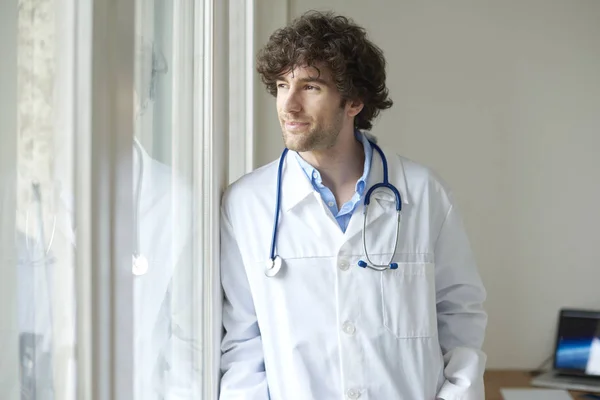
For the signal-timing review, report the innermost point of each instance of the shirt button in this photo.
(344, 265)
(348, 328)
(353, 394)
(315, 174)
(330, 204)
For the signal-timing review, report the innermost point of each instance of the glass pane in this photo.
(37, 206)
(167, 343)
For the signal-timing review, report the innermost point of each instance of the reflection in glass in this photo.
(39, 183)
(165, 340)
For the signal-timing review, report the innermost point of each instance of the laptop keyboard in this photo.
(581, 380)
(559, 381)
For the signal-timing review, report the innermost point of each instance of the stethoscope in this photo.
(37, 193)
(275, 262)
(139, 263)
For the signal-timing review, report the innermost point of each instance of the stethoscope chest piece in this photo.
(139, 265)
(273, 266)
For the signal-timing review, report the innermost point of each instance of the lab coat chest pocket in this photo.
(408, 300)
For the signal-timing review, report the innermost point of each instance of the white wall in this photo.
(269, 15)
(503, 100)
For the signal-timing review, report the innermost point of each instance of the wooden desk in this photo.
(497, 379)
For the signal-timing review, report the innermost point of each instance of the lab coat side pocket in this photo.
(408, 300)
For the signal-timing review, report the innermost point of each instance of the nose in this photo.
(291, 102)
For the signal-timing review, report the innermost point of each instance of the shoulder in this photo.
(423, 183)
(256, 184)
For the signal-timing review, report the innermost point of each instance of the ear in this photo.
(354, 107)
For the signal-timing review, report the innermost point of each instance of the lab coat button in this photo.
(344, 265)
(353, 394)
(348, 328)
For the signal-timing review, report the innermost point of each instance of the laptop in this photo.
(576, 353)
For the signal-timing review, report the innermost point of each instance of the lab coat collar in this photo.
(295, 186)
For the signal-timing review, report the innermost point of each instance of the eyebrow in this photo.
(307, 80)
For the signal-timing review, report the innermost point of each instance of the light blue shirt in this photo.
(343, 215)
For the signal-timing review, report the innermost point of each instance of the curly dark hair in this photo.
(357, 65)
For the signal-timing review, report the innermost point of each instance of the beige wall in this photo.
(503, 100)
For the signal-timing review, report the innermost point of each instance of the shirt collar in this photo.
(362, 182)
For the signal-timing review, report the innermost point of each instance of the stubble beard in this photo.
(317, 138)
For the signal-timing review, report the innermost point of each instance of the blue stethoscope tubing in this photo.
(275, 262)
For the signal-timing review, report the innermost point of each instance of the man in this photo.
(323, 327)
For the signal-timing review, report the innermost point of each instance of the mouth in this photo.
(295, 125)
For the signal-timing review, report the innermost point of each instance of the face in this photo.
(310, 108)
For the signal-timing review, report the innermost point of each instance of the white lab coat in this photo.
(163, 351)
(324, 328)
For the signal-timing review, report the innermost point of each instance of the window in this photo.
(113, 159)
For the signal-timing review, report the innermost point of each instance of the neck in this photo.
(340, 166)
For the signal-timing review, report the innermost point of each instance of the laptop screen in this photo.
(578, 343)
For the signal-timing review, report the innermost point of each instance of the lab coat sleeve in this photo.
(242, 360)
(460, 315)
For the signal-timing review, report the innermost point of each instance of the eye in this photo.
(310, 87)
(281, 86)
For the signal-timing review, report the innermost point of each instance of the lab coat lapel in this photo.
(375, 209)
(295, 187)
(300, 198)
